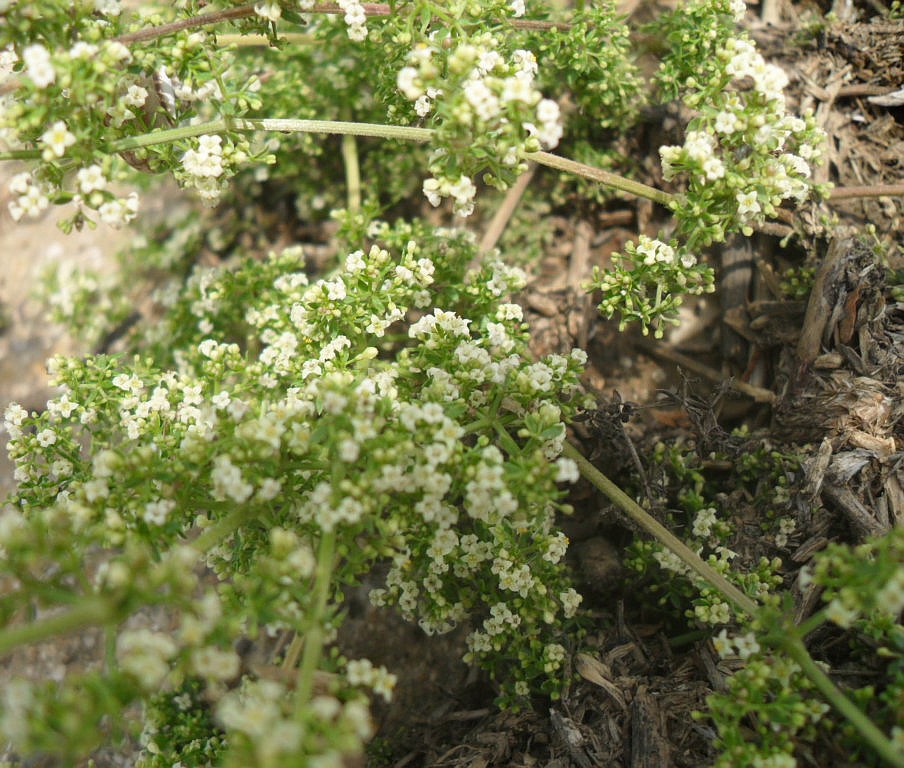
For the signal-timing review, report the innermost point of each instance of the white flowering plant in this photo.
(271, 436)
(309, 460)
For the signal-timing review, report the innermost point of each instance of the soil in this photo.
(819, 377)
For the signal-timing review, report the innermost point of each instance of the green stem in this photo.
(786, 640)
(352, 173)
(314, 636)
(603, 177)
(21, 154)
(792, 645)
(221, 529)
(90, 611)
(811, 623)
(506, 440)
(374, 130)
(662, 534)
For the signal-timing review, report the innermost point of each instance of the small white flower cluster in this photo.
(362, 672)
(258, 716)
(656, 252)
(145, 655)
(743, 646)
(355, 19)
(786, 527)
(716, 612)
(271, 11)
(744, 148)
(38, 66)
(31, 196)
(843, 610)
(119, 211)
(475, 93)
(381, 442)
(256, 710)
(704, 521)
(206, 167)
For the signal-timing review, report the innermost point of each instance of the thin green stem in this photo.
(811, 623)
(223, 528)
(791, 644)
(21, 154)
(505, 439)
(374, 130)
(352, 173)
(603, 177)
(662, 534)
(90, 611)
(314, 636)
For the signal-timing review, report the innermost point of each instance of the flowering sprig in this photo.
(743, 155)
(478, 98)
(68, 59)
(646, 283)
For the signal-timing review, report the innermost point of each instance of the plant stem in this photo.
(374, 130)
(791, 644)
(385, 132)
(151, 33)
(786, 640)
(877, 190)
(91, 610)
(662, 534)
(603, 177)
(222, 528)
(262, 41)
(313, 639)
(352, 173)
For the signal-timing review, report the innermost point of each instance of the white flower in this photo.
(269, 11)
(738, 9)
(727, 123)
(704, 521)
(430, 189)
(38, 65)
(517, 7)
(571, 599)
(116, 213)
(747, 204)
(144, 654)
(747, 645)
(91, 179)
(407, 82)
(57, 139)
(83, 50)
(566, 471)
(840, 614)
(713, 169)
(136, 96)
(117, 51)
(423, 105)
(891, 597)
(722, 643)
(46, 438)
(107, 7)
